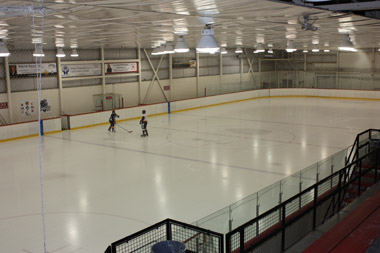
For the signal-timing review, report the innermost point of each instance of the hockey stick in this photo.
(129, 131)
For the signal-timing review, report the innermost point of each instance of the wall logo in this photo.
(44, 105)
(65, 70)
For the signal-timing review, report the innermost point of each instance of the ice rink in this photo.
(101, 186)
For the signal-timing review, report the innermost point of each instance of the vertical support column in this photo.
(170, 76)
(304, 62)
(103, 72)
(241, 71)
(220, 70)
(259, 73)
(9, 91)
(197, 84)
(337, 72)
(373, 68)
(139, 85)
(59, 67)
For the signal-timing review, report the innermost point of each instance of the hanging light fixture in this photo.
(238, 50)
(38, 52)
(260, 48)
(169, 49)
(315, 49)
(347, 45)
(207, 43)
(60, 52)
(162, 49)
(181, 46)
(326, 50)
(290, 48)
(4, 52)
(270, 48)
(74, 52)
(156, 51)
(305, 51)
(223, 50)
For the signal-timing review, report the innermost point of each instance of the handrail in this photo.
(341, 186)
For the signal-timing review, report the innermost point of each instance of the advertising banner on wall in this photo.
(3, 105)
(78, 70)
(45, 106)
(120, 68)
(31, 69)
(27, 108)
(184, 63)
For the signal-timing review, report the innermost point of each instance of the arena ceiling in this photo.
(132, 23)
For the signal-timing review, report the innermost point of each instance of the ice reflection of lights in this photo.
(160, 187)
(72, 231)
(83, 201)
(239, 193)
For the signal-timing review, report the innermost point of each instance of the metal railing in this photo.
(196, 239)
(282, 226)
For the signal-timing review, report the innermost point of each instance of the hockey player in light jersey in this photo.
(112, 121)
(144, 123)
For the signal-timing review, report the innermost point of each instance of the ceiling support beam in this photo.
(359, 6)
(155, 76)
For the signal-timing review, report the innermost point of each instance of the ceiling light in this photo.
(326, 50)
(270, 51)
(207, 43)
(161, 50)
(3, 50)
(181, 46)
(239, 50)
(38, 52)
(378, 49)
(60, 53)
(156, 51)
(347, 45)
(169, 49)
(223, 50)
(305, 51)
(260, 48)
(74, 53)
(290, 48)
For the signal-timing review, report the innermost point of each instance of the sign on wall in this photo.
(27, 108)
(78, 70)
(120, 68)
(31, 69)
(45, 106)
(184, 63)
(4, 105)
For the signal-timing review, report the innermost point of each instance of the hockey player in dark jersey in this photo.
(112, 121)
(144, 123)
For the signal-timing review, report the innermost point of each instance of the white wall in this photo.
(80, 99)
(18, 97)
(90, 119)
(183, 88)
(358, 60)
(29, 128)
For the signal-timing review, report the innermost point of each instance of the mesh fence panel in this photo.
(144, 242)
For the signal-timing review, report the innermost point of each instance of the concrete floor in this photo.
(101, 186)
